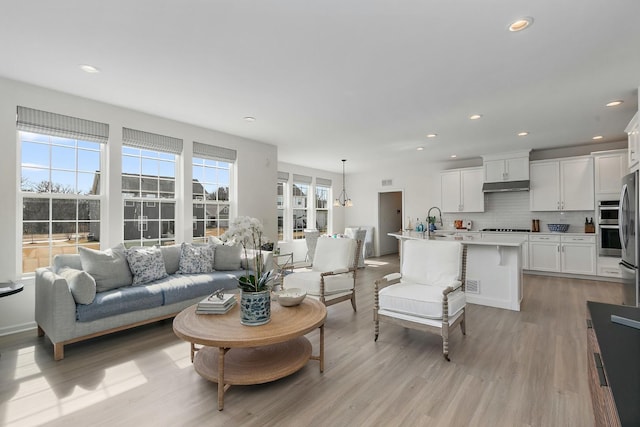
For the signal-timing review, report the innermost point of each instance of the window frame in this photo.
(207, 202)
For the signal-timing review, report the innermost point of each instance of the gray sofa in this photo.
(68, 313)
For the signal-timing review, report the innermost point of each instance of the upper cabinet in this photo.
(610, 167)
(506, 167)
(461, 190)
(633, 130)
(562, 185)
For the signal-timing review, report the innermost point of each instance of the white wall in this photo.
(256, 175)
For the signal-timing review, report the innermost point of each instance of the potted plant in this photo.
(255, 289)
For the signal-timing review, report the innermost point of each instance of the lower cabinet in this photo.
(575, 254)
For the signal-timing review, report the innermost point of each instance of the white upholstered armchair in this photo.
(332, 276)
(428, 293)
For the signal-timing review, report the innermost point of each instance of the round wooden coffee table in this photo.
(235, 354)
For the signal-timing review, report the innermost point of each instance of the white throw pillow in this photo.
(109, 268)
(227, 258)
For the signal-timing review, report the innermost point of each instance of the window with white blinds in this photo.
(60, 166)
(212, 168)
(149, 187)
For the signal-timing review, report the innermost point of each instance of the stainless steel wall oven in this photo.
(609, 237)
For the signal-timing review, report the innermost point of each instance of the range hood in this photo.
(495, 187)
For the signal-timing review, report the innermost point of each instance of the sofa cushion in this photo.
(196, 258)
(171, 256)
(227, 258)
(109, 268)
(146, 264)
(119, 301)
(81, 284)
(310, 282)
(187, 286)
(332, 254)
(420, 300)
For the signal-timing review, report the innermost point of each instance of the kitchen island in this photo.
(494, 267)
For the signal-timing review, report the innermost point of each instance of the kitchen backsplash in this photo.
(511, 210)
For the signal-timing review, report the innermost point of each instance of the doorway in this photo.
(389, 221)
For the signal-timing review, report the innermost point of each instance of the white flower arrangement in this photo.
(248, 232)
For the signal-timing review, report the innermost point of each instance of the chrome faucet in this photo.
(429, 216)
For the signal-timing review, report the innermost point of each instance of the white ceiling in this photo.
(364, 80)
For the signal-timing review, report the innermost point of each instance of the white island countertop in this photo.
(467, 239)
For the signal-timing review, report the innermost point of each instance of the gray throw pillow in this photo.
(227, 257)
(81, 284)
(196, 259)
(109, 268)
(146, 264)
(171, 256)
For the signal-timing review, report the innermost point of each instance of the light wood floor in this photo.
(512, 369)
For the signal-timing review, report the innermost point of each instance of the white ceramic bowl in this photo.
(290, 297)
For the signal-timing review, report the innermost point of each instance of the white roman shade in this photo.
(214, 152)
(37, 121)
(151, 141)
(283, 176)
(302, 179)
(323, 182)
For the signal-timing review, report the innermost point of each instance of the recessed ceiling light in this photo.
(598, 137)
(249, 119)
(614, 103)
(523, 133)
(453, 156)
(89, 69)
(475, 116)
(432, 135)
(521, 24)
(420, 148)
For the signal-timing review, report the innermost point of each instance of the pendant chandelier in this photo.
(343, 199)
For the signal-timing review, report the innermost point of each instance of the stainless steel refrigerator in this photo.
(628, 217)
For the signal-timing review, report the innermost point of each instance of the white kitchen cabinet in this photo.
(544, 253)
(461, 190)
(609, 168)
(578, 254)
(633, 132)
(562, 185)
(574, 254)
(506, 167)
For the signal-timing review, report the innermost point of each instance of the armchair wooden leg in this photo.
(463, 326)
(353, 300)
(376, 322)
(445, 342)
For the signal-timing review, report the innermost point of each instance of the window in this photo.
(212, 168)
(300, 203)
(281, 202)
(59, 185)
(149, 187)
(210, 197)
(323, 197)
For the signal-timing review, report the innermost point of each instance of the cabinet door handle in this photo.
(558, 248)
(558, 204)
(600, 368)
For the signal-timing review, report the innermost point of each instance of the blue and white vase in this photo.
(255, 308)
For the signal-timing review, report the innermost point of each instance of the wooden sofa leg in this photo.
(58, 351)
(40, 331)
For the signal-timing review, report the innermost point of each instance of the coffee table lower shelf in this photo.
(253, 365)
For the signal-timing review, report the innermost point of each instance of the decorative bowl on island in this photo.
(290, 297)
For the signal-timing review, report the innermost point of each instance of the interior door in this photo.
(389, 221)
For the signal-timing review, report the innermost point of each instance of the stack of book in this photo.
(218, 303)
